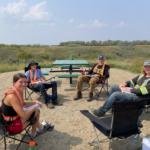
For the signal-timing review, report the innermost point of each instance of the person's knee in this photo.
(114, 87)
(54, 83)
(80, 79)
(42, 86)
(37, 112)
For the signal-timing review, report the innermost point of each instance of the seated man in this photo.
(37, 79)
(139, 88)
(98, 70)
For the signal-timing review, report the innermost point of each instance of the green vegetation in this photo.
(103, 43)
(124, 56)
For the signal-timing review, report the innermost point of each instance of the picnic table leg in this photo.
(70, 73)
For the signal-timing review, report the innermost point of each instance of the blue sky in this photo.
(53, 21)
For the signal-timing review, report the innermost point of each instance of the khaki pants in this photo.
(92, 81)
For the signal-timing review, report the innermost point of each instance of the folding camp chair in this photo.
(146, 98)
(5, 134)
(124, 122)
(33, 91)
(103, 83)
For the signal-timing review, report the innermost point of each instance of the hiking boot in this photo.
(55, 102)
(78, 96)
(96, 112)
(50, 105)
(90, 97)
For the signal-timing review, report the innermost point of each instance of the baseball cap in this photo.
(101, 57)
(147, 63)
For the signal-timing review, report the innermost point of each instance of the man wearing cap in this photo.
(139, 87)
(37, 79)
(98, 69)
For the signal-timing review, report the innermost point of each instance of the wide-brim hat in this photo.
(32, 62)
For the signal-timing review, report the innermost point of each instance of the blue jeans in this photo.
(115, 94)
(41, 87)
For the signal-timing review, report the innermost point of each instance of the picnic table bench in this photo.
(67, 75)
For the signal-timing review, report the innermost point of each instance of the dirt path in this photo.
(72, 130)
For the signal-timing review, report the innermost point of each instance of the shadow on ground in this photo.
(52, 140)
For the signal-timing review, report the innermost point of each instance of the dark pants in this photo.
(41, 88)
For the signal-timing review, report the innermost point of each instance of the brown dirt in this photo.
(72, 130)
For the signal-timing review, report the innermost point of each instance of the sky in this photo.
(53, 21)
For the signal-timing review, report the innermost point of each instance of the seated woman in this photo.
(12, 108)
(98, 69)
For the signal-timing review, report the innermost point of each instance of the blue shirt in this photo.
(39, 74)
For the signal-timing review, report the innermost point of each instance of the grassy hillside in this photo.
(116, 56)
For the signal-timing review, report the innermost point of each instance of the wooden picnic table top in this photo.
(70, 62)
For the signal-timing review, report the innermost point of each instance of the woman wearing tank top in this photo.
(12, 108)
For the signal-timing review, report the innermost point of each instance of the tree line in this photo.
(104, 43)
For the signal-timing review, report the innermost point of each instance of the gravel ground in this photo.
(72, 130)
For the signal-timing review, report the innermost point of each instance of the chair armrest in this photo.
(50, 79)
(95, 119)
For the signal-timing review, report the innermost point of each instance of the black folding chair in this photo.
(5, 134)
(27, 92)
(124, 122)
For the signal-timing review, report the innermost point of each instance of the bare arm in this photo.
(14, 102)
(26, 104)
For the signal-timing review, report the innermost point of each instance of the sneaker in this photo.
(56, 103)
(96, 112)
(50, 105)
(50, 127)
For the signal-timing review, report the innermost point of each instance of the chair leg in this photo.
(109, 144)
(100, 91)
(90, 143)
(85, 86)
(29, 94)
(5, 142)
(137, 142)
(97, 138)
(128, 144)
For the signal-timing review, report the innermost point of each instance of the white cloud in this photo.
(14, 8)
(96, 23)
(121, 24)
(37, 12)
(83, 25)
(71, 20)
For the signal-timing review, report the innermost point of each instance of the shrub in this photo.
(23, 55)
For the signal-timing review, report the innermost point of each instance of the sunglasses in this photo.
(33, 65)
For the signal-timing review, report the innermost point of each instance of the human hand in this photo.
(97, 75)
(39, 103)
(122, 85)
(125, 89)
(85, 73)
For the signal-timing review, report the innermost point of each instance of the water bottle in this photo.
(135, 138)
(32, 145)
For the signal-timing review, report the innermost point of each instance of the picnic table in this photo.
(70, 68)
